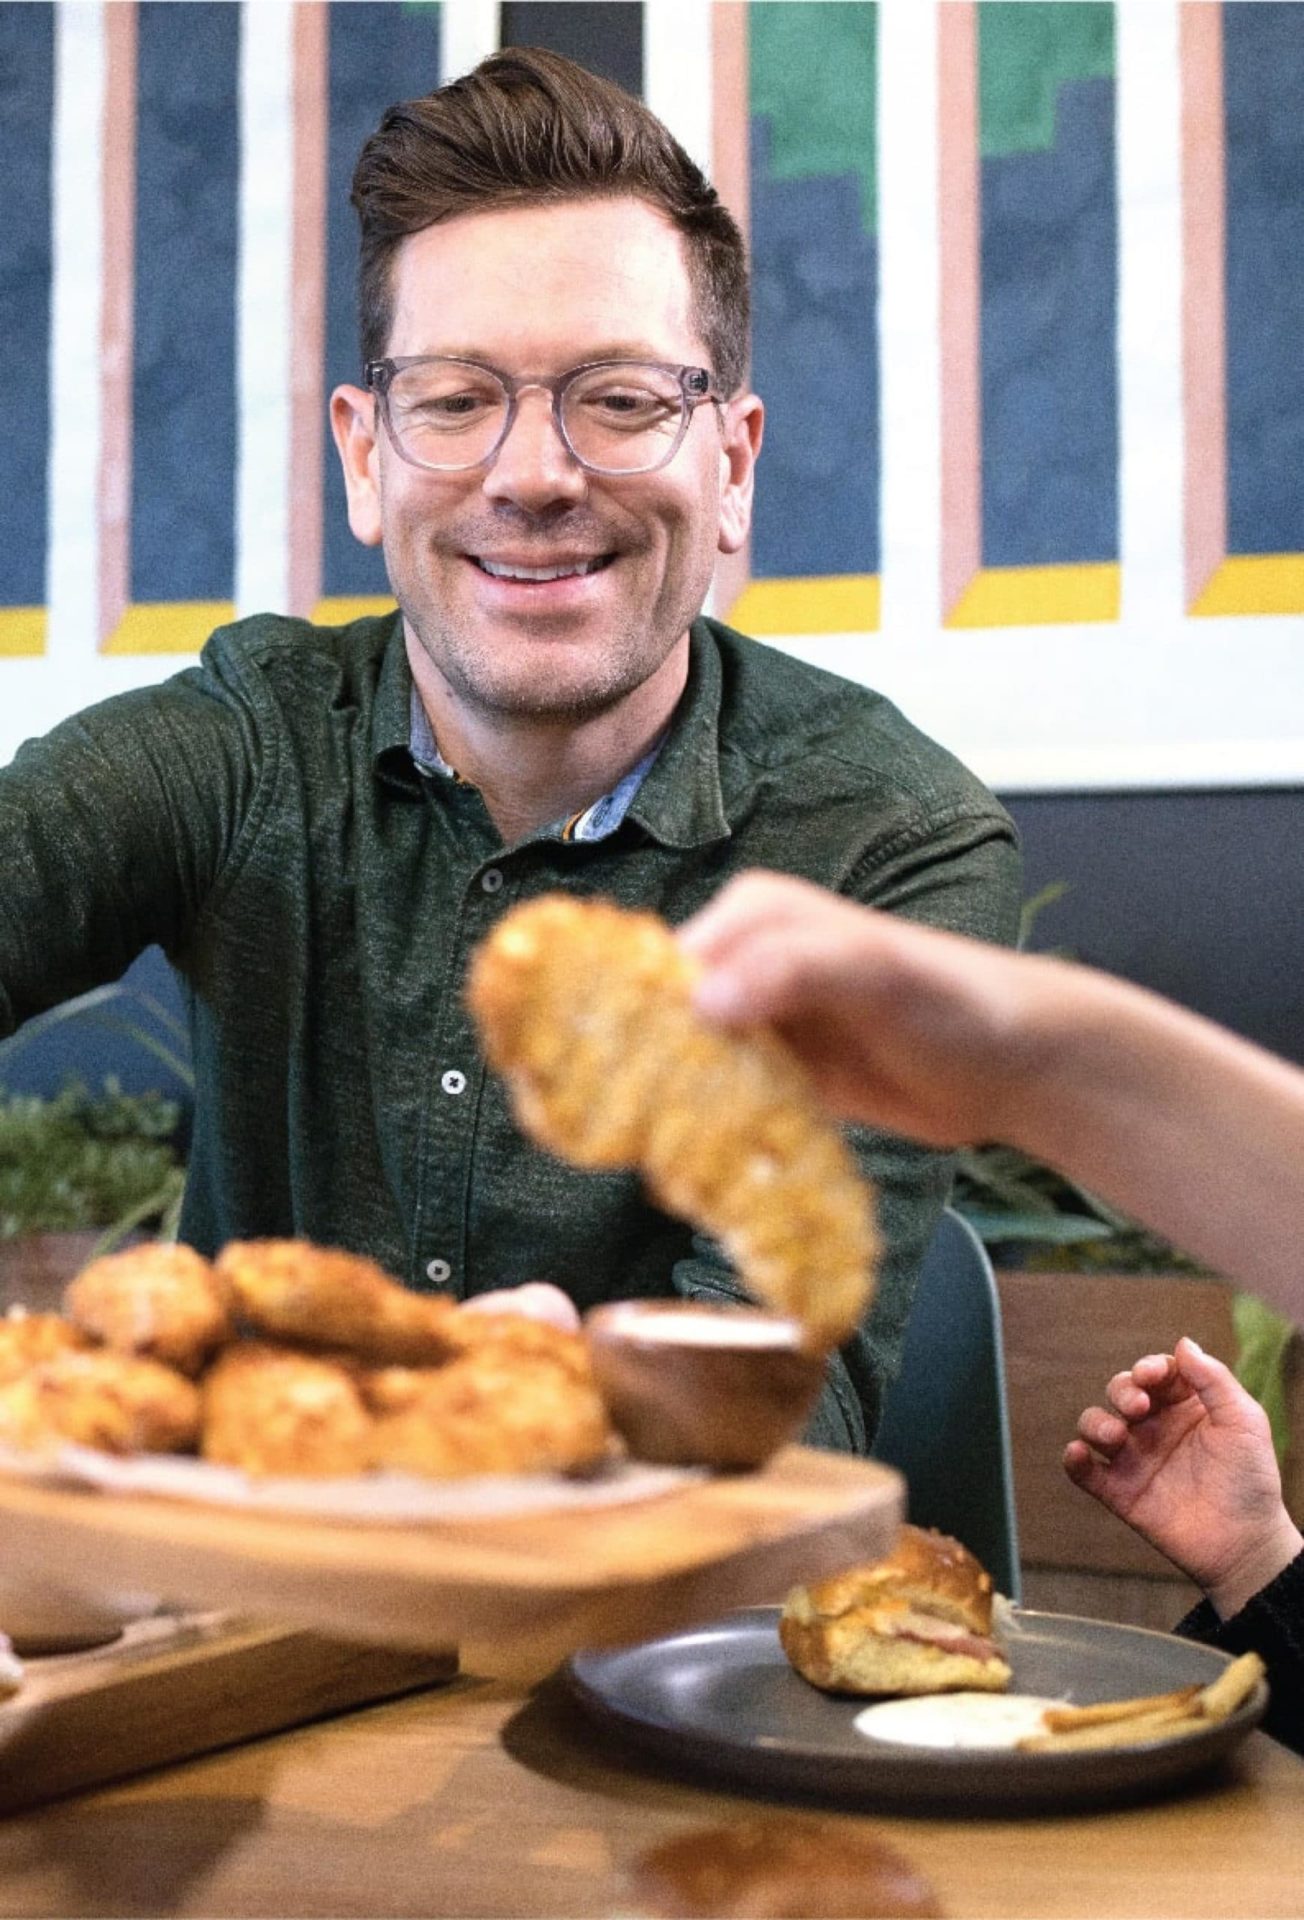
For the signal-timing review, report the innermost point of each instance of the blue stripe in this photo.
(26, 115)
(379, 54)
(1049, 342)
(184, 391)
(815, 365)
(604, 37)
(1263, 80)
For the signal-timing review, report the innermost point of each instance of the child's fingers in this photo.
(1084, 1468)
(1102, 1430)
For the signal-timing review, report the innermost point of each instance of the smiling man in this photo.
(551, 439)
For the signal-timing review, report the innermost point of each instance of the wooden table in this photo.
(492, 1797)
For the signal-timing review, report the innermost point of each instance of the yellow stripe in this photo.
(22, 631)
(1039, 596)
(338, 609)
(822, 603)
(168, 626)
(1255, 583)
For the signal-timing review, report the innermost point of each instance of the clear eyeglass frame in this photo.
(695, 384)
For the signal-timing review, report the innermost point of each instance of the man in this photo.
(552, 443)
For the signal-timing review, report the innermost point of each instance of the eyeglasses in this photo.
(613, 416)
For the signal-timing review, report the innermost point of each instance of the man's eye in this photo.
(628, 405)
(452, 407)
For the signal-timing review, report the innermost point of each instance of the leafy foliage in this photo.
(1029, 1215)
(80, 1161)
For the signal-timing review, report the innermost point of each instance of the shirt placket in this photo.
(456, 1074)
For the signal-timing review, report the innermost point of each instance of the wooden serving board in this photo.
(176, 1685)
(556, 1580)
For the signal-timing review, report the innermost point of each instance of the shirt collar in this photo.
(681, 802)
(674, 793)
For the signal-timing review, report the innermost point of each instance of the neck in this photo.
(532, 768)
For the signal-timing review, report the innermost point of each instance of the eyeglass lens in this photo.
(623, 419)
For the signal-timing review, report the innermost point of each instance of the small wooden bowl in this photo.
(694, 1385)
(43, 1616)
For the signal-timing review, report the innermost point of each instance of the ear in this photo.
(742, 428)
(353, 422)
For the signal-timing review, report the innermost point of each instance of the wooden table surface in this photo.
(496, 1797)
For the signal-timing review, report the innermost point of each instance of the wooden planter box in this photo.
(35, 1268)
(1065, 1334)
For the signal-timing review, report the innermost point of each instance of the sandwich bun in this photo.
(919, 1621)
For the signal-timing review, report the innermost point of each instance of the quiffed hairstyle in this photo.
(528, 127)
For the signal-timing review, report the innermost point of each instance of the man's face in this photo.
(538, 290)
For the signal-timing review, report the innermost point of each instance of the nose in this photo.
(534, 468)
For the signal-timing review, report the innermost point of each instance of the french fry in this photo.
(1130, 1723)
(1162, 1723)
(1233, 1685)
(1064, 1719)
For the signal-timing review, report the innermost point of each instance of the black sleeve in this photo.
(1271, 1625)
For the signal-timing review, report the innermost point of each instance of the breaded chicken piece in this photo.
(496, 1410)
(321, 1297)
(516, 1342)
(28, 1338)
(586, 1010)
(115, 1401)
(270, 1410)
(161, 1301)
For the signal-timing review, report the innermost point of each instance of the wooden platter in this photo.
(556, 1581)
(176, 1685)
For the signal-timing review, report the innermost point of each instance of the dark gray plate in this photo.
(722, 1698)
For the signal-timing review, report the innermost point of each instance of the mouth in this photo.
(576, 568)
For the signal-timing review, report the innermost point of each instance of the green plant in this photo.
(81, 1160)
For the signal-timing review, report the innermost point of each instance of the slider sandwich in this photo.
(919, 1621)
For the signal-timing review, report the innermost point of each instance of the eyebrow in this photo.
(609, 350)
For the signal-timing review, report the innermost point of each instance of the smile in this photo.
(563, 570)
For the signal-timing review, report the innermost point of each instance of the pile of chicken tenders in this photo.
(280, 1357)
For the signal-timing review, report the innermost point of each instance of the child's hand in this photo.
(1184, 1455)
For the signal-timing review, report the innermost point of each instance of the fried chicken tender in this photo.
(116, 1401)
(586, 1010)
(26, 1339)
(320, 1297)
(164, 1302)
(515, 1342)
(501, 1408)
(270, 1410)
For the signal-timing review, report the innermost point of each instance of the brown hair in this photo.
(528, 126)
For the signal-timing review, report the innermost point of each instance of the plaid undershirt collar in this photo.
(596, 822)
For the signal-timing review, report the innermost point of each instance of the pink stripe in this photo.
(959, 216)
(308, 306)
(116, 314)
(731, 163)
(1204, 293)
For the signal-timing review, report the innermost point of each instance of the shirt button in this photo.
(453, 1081)
(439, 1271)
(491, 879)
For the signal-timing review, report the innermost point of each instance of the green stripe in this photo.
(814, 74)
(1027, 49)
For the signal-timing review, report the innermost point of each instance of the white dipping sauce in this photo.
(955, 1719)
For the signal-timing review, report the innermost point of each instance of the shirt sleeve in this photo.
(1270, 1624)
(114, 830)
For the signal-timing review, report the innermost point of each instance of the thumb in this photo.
(1215, 1385)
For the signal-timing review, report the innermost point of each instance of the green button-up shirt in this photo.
(261, 817)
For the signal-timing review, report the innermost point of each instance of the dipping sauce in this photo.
(956, 1719)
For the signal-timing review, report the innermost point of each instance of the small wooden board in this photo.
(176, 1685)
(556, 1580)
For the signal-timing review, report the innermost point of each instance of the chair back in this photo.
(946, 1423)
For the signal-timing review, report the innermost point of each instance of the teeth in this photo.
(571, 570)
